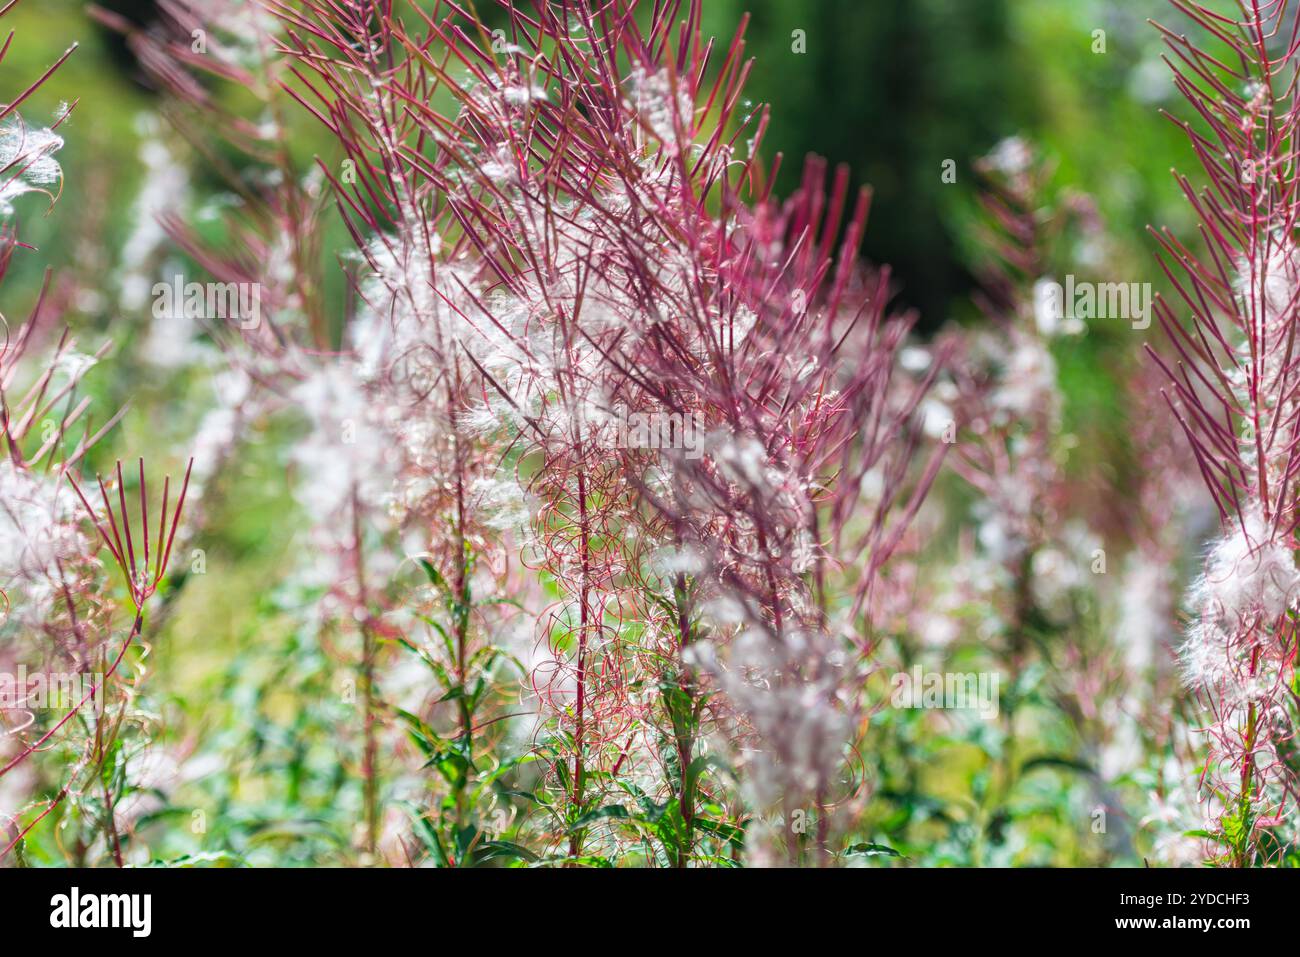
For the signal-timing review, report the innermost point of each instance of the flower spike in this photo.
(140, 580)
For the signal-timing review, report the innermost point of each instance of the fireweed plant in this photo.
(1232, 385)
(59, 617)
(561, 228)
(1028, 556)
(1019, 604)
(1087, 721)
(1061, 666)
(406, 478)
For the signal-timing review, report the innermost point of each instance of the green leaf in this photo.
(424, 737)
(435, 576)
(733, 835)
(869, 849)
(491, 850)
(609, 811)
(427, 833)
(1056, 761)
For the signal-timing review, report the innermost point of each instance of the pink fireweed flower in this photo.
(132, 554)
(130, 551)
(1233, 386)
